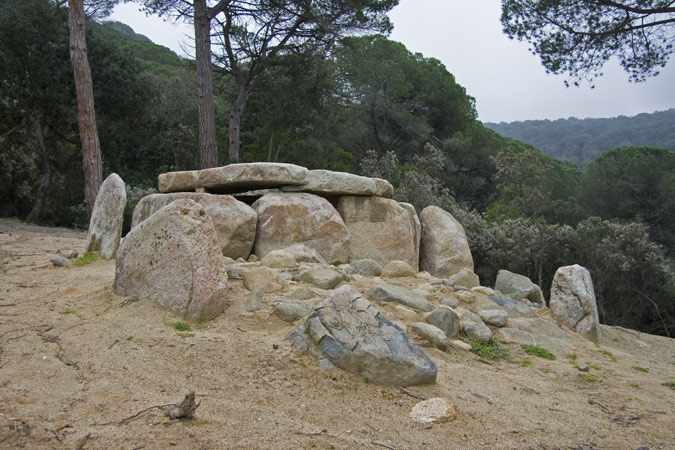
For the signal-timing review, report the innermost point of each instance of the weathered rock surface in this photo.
(321, 277)
(235, 221)
(494, 317)
(451, 302)
(518, 287)
(539, 332)
(473, 326)
(301, 293)
(262, 278)
(60, 261)
(285, 219)
(253, 301)
(367, 267)
(328, 182)
(514, 308)
(105, 226)
(430, 333)
(380, 229)
(444, 247)
(573, 301)
(464, 278)
(417, 229)
(390, 293)
(173, 258)
(433, 410)
(279, 259)
(395, 269)
(384, 188)
(234, 178)
(304, 254)
(352, 334)
(290, 309)
(446, 319)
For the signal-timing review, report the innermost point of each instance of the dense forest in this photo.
(366, 105)
(581, 141)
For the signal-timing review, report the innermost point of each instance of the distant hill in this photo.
(581, 141)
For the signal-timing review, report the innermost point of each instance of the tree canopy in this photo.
(579, 37)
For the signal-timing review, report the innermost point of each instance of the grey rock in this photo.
(301, 293)
(353, 335)
(396, 269)
(290, 309)
(416, 227)
(430, 333)
(253, 301)
(476, 330)
(518, 287)
(235, 221)
(390, 293)
(173, 258)
(464, 278)
(105, 226)
(446, 319)
(304, 254)
(265, 279)
(367, 267)
(494, 317)
(278, 259)
(321, 277)
(573, 301)
(236, 272)
(514, 308)
(327, 365)
(583, 367)
(234, 178)
(534, 332)
(60, 261)
(451, 302)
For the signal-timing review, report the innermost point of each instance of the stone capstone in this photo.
(444, 247)
(105, 226)
(573, 301)
(518, 287)
(234, 178)
(235, 221)
(380, 229)
(391, 293)
(353, 335)
(173, 258)
(327, 182)
(285, 219)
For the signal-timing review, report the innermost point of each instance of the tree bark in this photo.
(46, 178)
(86, 117)
(208, 153)
(235, 121)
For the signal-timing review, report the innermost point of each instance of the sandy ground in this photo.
(77, 364)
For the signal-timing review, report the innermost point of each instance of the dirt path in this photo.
(76, 359)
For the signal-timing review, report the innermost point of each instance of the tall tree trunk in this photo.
(86, 117)
(235, 121)
(46, 178)
(208, 153)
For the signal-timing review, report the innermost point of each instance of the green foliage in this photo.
(180, 326)
(491, 349)
(641, 369)
(670, 384)
(527, 362)
(186, 335)
(538, 351)
(86, 258)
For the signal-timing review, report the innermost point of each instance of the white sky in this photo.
(507, 81)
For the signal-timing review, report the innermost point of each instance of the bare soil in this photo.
(81, 367)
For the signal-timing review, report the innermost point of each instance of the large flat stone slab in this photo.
(235, 221)
(234, 178)
(328, 182)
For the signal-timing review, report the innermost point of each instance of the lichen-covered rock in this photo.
(173, 258)
(353, 335)
(444, 249)
(291, 218)
(105, 226)
(380, 228)
(573, 301)
(235, 221)
(518, 287)
(234, 178)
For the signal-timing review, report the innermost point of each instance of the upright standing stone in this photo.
(380, 229)
(288, 218)
(417, 229)
(105, 226)
(235, 221)
(444, 250)
(173, 258)
(573, 301)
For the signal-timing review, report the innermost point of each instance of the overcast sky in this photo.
(507, 81)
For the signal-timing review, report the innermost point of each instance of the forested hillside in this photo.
(364, 105)
(581, 141)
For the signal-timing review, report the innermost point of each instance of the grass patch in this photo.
(670, 384)
(538, 351)
(527, 362)
(641, 369)
(491, 349)
(573, 357)
(593, 366)
(635, 385)
(591, 378)
(70, 311)
(180, 326)
(186, 335)
(86, 259)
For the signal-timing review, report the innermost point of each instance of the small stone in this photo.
(446, 319)
(452, 302)
(464, 278)
(398, 269)
(60, 261)
(327, 365)
(279, 259)
(263, 279)
(461, 345)
(494, 317)
(68, 253)
(236, 272)
(476, 330)
(429, 333)
(583, 367)
(367, 267)
(434, 410)
(253, 301)
(301, 293)
(405, 313)
(252, 258)
(321, 277)
(290, 309)
(484, 290)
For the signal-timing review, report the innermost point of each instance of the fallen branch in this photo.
(186, 409)
(135, 416)
(383, 444)
(413, 394)
(83, 441)
(312, 433)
